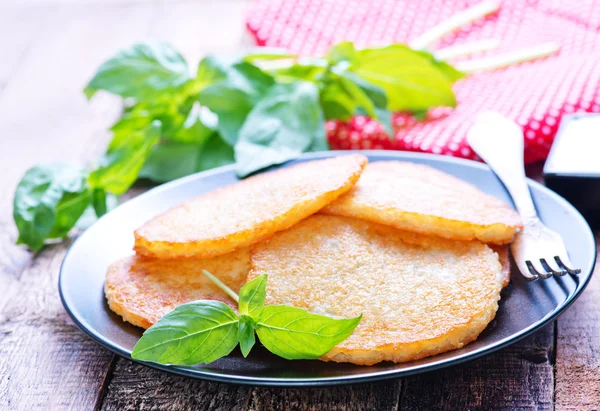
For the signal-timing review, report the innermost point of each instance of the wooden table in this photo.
(48, 50)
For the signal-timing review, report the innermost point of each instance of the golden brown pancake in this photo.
(502, 251)
(418, 295)
(142, 290)
(418, 198)
(244, 213)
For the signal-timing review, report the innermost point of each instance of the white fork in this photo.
(537, 250)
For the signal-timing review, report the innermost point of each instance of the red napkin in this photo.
(535, 94)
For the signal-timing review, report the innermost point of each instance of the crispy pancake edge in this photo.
(138, 302)
(428, 224)
(402, 352)
(223, 245)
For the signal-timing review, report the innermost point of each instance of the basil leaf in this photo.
(384, 116)
(319, 143)
(336, 102)
(309, 70)
(410, 79)
(252, 297)
(232, 98)
(343, 51)
(280, 127)
(91, 213)
(168, 161)
(376, 95)
(246, 335)
(267, 53)
(134, 119)
(193, 129)
(448, 70)
(141, 71)
(215, 153)
(99, 202)
(120, 166)
(296, 334)
(345, 94)
(213, 68)
(194, 333)
(48, 201)
(420, 115)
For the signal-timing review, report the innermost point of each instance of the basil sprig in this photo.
(257, 110)
(203, 331)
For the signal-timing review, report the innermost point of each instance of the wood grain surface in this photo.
(49, 49)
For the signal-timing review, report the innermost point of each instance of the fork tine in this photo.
(559, 261)
(554, 270)
(535, 267)
(524, 270)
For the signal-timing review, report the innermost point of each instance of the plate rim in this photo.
(340, 380)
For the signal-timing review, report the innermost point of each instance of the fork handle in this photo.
(499, 142)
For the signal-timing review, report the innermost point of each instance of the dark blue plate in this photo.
(524, 308)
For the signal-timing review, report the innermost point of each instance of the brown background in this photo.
(48, 50)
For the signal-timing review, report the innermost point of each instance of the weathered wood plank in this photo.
(134, 386)
(21, 20)
(578, 351)
(378, 396)
(45, 361)
(518, 377)
(27, 21)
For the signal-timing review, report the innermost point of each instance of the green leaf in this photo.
(280, 127)
(193, 129)
(48, 201)
(127, 152)
(232, 97)
(319, 143)
(296, 334)
(168, 161)
(135, 119)
(410, 79)
(194, 333)
(375, 93)
(99, 201)
(336, 101)
(305, 69)
(267, 53)
(214, 153)
(384, 116)
(377, 96)
(361, 99)
(246, 335)
(420, 115)
(345, 94)
(90, 215)
(213, 68)
(451, 73)
(141, 71)
(343, 51)
(252, 297)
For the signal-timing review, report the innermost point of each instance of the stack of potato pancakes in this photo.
(421, 254)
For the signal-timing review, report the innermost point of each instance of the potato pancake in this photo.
(142, 290)
(502, 251)
(421, 199)
(418, 295)
(244, 213)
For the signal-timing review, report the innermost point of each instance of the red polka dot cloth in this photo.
(534, 94)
